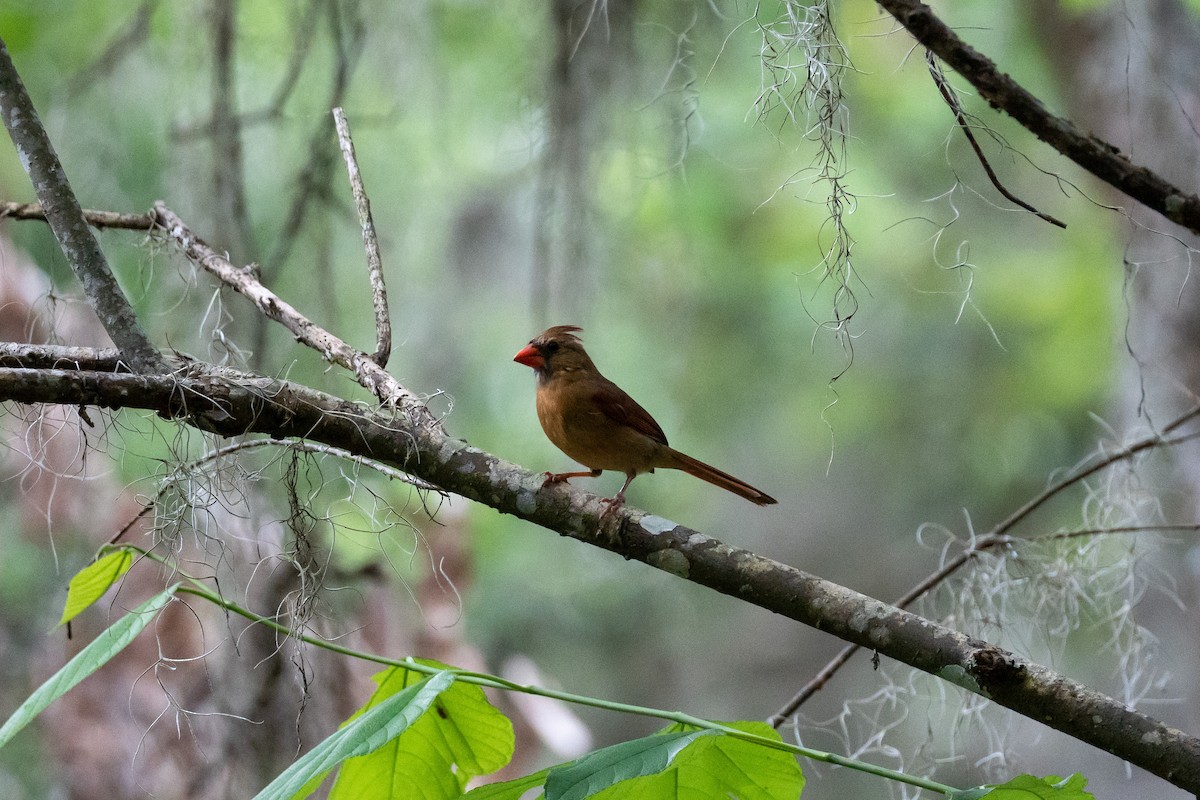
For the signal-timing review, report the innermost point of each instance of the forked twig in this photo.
(333, 349)
(951, 99)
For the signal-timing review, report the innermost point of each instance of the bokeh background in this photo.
(637, 169)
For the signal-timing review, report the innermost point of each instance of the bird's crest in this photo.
(562, 332)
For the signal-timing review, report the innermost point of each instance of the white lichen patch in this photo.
(960, 677)
(670, 560)
(656, 525)
(527, 502)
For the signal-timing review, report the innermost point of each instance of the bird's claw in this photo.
(550, 478)
(611, 505)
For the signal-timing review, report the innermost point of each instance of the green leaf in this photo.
(508, 790)
(681, 762)
(91, 582)
(596, 771)
(111, 641)
(364, 734)
(465, 736)
(1029, 787)
(725, 766)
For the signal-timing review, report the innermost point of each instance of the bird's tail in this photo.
(718, 478)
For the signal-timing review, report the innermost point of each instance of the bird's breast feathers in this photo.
(579, 420)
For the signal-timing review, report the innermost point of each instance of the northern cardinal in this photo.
(595, 422)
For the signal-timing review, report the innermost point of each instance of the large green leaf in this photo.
(91, 582)
(725, 766)
(365, 733)
(464, 737)
(720, 766)
(679, 762)
(1030, 787)
(111, 641)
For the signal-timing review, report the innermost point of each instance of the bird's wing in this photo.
(618, 406)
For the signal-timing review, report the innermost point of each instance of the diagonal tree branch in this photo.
(333, 349)
(1095, 155)
(255, 404)
(78, 244)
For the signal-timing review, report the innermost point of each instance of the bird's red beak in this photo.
(530, 357)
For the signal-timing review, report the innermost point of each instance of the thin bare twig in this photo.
(1157, 439)
(362, 204)
(346, 34)
(97, 219)
(78, 243)
(951, 99)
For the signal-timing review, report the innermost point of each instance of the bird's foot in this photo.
(561, 477)
(612, 505)
(610, 508)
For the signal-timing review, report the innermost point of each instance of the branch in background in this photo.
(314, 178)
(79, 245)
(368, 373)
(280, 409)
(1093, 154)
(951, 99)
(998, 536)
(362, 204)
(121, 47)
(301, 39)
(229, 179)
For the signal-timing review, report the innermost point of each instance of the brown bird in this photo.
(595, 422)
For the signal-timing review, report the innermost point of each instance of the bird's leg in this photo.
(618, 499)
(561, 477)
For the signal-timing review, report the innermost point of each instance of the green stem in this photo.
(195, 587)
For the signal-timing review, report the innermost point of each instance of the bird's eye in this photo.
(551, 347)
